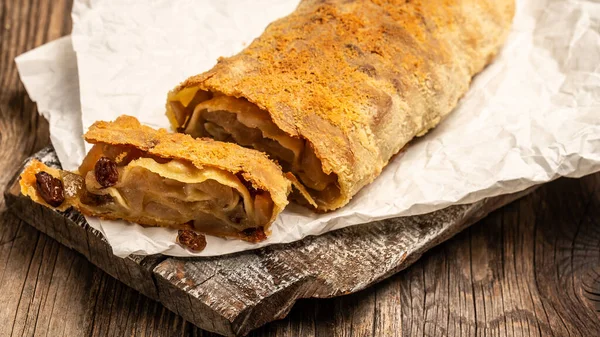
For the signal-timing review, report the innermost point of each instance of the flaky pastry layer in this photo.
(356, 80)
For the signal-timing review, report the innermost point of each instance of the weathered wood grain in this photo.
(47, 289)
(71, 229)
(235, 294)
(548, 277)
(249, 289)
(501, 277)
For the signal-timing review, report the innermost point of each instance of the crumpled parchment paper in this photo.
(530, 117)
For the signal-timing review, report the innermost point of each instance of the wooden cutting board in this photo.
(233, 294)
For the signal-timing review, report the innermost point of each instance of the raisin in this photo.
(255, 234)
(194, 241)
(106, 172)
(50, 189)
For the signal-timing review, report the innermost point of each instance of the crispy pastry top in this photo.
(360, 78)
(254, 166)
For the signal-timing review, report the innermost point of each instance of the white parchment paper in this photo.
(530, 117)
(49, 74)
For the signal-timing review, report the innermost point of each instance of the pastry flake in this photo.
(156, 178)
(334, 90)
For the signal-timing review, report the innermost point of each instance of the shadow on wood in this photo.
(234, 294)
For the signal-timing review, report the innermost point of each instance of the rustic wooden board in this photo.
(71, 229)
(234, 294)
(531, 268)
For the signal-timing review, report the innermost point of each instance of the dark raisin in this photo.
(192, 240)
(106, 172)
(255, 234)
(50, 189)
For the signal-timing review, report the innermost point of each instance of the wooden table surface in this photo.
(529, 269)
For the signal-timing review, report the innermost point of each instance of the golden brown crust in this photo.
(28, 188)
(28, 183)
(359, 79)
(254, 166)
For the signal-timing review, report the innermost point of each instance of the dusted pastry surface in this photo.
(157, 178)
(356, 80)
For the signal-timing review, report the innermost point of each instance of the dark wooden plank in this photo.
(234, 294)
(47, 289)
(504, 276)
(71, 229)
(92, 246)
(546, 283)
(243, 291)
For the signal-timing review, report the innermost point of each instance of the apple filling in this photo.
(236, 120)
(164, 192)
(178, 193)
